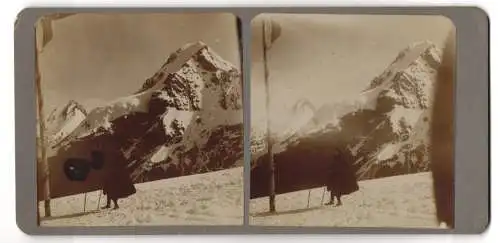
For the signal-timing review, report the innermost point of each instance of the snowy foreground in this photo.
(214, 198)
(217, 199)
(399, 201)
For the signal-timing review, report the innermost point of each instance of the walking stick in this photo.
(323, 196)
(308, 198)
(84, 201)
(99, 200)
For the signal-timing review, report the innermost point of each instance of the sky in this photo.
(330, 58)
(95, 58)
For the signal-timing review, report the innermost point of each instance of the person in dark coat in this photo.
(116, 182)
(342, 177)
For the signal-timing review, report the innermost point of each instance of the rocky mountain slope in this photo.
(386, 128)
(185, 119)
(63, 120)
(399, 116)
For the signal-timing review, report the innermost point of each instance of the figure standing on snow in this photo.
(341, 177)
(116, 182)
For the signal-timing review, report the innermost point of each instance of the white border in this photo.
(8, 226)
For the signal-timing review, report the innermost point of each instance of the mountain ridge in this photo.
(184, 119)
(385, 126)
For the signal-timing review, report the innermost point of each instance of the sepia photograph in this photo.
(352, 121)
(140, 119)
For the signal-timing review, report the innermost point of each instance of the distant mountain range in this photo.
(187, 118)
(385, 128)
